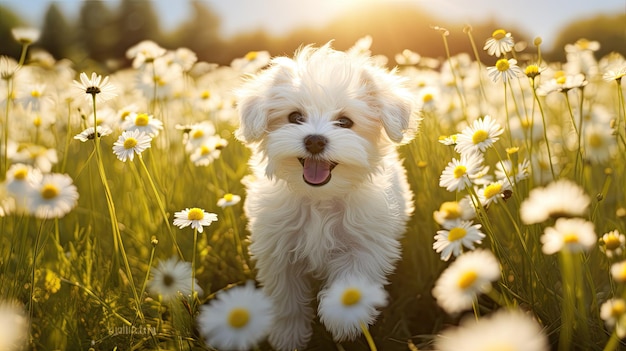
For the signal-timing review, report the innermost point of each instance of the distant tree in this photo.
(135, 21)
(8, 20)
(200, 33)
(56, 33)
(609, 31)
(97, 34)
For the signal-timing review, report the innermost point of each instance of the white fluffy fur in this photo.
(349, 227)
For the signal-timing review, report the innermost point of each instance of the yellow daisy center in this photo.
(20, 174)
(35, 93)
(583, 44)
(168, 280)
(238, 318)
(561, 80)
(456, 234)
(451, 209)
(479, 136)
(351, 297)
(204, 150)
(618, 308)
(228, 197)
(195, 214)
(130, 143)
(124, 114)
(498, 34)
(492, 190)
(197, 134)
(142, 119)
(596, 141)
(427, 97)
(37, 121)
(49, 191)
(532, 70)
(612, 242)
(250, 56)
(467, 279)
(205, 95)
(459, 171)
(570, 238)
(503, 65)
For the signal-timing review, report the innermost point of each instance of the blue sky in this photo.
(537, 17)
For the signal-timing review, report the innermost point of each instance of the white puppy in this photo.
(329, 199)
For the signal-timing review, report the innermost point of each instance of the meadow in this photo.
(119, 237)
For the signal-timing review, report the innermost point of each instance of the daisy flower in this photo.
(456, 235)
(349, 303)
(618, 271)
(20, 182)
(505, 172)
(171, 278)
(54, 197)
(36, 155)
(14, 326)
(458, 173)
(208, 151)
(505, 70)
(194, 217)
(25, 35)
(471, 274)
(569, 234)
(142, 122)
(506, 329)
(96, 87)
(493, 193)
(599, 142)
(251, 62)
(499, 43)
(480, 136)
(448, 139)
(616, 73)
(197, 134)
(562, 83)
(450, 211)
(228, 200)
(131, 143)
(613, 243)
(237, 319)
(90, 133)
(144, 52)
(407, 58)
(8, 67)
(562, 198)
(612, 310)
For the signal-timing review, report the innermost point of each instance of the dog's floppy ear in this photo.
(254, 99)
(393, 102)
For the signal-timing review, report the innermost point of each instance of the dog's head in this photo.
(324, 118)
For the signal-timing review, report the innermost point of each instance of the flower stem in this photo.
(368, 337)
(117, 237)
(160, 204)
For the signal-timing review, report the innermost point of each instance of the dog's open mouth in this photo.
(315, 171)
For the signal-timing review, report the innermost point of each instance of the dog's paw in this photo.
(348, 304)
(289, 334)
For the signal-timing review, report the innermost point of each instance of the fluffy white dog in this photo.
(329, 199)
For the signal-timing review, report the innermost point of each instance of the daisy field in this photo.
(122, 227)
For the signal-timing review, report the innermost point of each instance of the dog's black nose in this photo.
(315, 143)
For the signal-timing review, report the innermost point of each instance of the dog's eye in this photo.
(296, 117)
(345, 122)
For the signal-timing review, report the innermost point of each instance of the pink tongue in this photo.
(316, 171)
